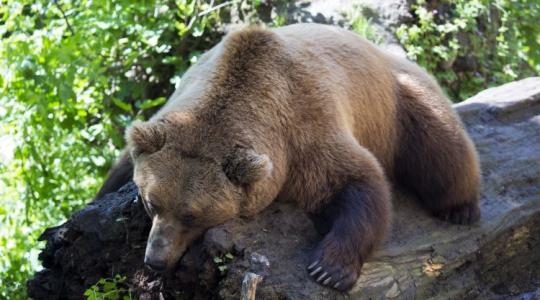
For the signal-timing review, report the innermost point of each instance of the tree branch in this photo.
(65, 17)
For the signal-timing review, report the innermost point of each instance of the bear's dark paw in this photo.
(465, 214)
(331, 272)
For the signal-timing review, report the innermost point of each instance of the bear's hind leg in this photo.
(437, 160)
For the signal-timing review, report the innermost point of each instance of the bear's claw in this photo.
(333, 275)
(465, 214)
(315, 271)
(323, 275)
(313, 265)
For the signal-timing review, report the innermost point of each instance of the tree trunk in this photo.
(423, 257)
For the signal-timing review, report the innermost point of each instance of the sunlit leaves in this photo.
(472, 45)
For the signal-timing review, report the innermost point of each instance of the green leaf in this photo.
(149, 103)
(123, 105)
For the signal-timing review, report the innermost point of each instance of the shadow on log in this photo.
(422, 258)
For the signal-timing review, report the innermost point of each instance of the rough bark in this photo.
(423, 257)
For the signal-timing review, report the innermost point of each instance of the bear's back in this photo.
(358, 77)
(347, 83)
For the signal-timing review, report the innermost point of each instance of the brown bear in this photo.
(306, 113)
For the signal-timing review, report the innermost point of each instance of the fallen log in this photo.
(423, 257)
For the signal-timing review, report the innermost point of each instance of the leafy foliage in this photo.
(363, 25)
(109, 289)
(222, 262)
(473, 45)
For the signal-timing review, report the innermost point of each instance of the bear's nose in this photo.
(156, 265)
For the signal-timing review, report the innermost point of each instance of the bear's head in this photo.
(187, 188)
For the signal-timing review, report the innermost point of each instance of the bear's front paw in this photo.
(338, 271)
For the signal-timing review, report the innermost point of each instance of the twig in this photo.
(64, 16)
(249, 286)
(211, 9)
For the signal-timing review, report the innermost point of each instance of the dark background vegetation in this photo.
(73, 74)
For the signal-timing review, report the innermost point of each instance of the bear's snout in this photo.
(156, 256)
(155, 265)
(167, 242)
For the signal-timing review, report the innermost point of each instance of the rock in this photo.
(389, 13)
(423, 257)
(384, 15)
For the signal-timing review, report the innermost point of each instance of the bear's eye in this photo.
(152, 208)
(145, 203)
(187, 220)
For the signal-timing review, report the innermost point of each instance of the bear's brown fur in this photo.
(306, 113)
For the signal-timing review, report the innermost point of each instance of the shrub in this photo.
(470, 45)
(363, 25)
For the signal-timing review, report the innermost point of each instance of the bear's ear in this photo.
(145, 137)
(245, 166)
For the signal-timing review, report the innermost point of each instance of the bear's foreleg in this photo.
(354, 222)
